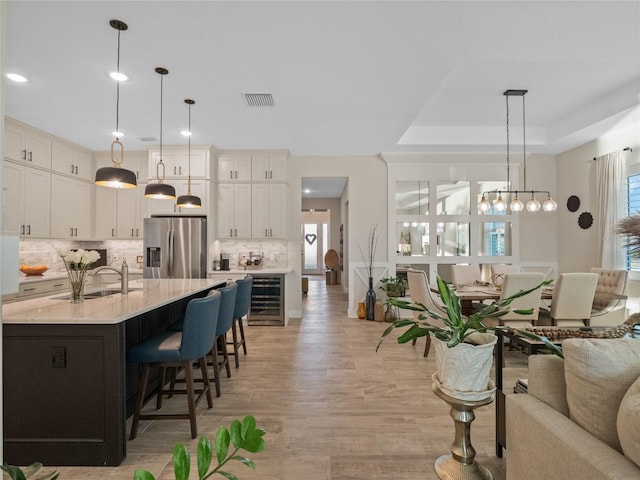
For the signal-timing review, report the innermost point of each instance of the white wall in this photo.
(577, 248)
(367, 205)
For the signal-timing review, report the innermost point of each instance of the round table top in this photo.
(331, 259)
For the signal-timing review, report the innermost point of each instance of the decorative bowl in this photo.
(33, 270)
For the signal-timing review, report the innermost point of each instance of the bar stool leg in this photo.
(234, 334)
(242, 339)
(205, 380)
(142, 387)
(214, 364)
(191, 400)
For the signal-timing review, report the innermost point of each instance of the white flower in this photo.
(79, 259)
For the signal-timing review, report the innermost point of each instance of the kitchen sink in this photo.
(105, 292)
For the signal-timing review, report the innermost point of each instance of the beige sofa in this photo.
(581, 417)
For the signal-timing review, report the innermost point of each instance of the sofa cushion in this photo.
(598, 373)
(629, 423)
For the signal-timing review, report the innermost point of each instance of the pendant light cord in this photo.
(508, 187)
(189, 153)
(524, 145)
(158, 168)
(118, 89)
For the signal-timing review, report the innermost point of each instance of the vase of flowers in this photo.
(370, 296)
(77, 263)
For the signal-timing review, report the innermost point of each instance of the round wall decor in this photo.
(585, 220)
(573, 203)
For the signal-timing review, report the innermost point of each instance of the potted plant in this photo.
(242, 435)
(17, 473)
(463, 346)
(393, 287)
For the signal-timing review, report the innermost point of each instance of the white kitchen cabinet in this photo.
(71, 207)
(71, 160)
(176, 162)
(130, 202)
(269, 168)
(26, 145)
(234, 210)
(25, 201)
(268, 210)
(234, 168)
(199, 188)
(106, 212)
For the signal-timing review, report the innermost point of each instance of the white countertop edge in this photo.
(112, 309)
(256, 271)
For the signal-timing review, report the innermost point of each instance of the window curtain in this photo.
(610, 201)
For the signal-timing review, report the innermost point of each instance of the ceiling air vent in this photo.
(259, 99)
(148, 139)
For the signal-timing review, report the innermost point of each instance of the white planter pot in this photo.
(463, 371)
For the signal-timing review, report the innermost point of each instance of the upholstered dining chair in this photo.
(514, 283)
(419, 293)
(225, 321)
(178, 349)
(465, 274)
(243, 303)
(499, 270)
(572, 299)
(609, 306)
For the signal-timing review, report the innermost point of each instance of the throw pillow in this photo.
(629, 423)
(598, 373)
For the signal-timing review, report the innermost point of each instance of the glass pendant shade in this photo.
(189, 201)
(499, 204)
(160, 191)
(533, 205)
(516, 205)
(549, 205)
(484, 204)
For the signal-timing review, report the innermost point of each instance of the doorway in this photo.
(315, 239)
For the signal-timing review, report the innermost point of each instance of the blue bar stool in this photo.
(243, 302)
(179, 349)
(225, 320)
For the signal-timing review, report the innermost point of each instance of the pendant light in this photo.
(160, 190)
(533, 205)
(188, 200)
(116, 176)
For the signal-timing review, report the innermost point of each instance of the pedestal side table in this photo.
(460, 463)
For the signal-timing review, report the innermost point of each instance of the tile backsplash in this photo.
(275, 252)
(46, 252)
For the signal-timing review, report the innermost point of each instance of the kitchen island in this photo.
(68, 389)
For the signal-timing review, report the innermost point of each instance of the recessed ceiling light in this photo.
(16, 77)
(306, 190)
(117, 134)
(186, 133)
(119, 76)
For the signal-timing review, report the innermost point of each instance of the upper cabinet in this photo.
(71, 207)
(269, 168)
(25, 201)
(234, 168)
(178, 163)
(71, 160)
(25, 144)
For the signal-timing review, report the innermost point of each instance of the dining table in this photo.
(481, 291)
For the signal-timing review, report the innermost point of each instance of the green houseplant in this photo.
(241, 435)
(16, 473)
(464, 348)
(393, 287)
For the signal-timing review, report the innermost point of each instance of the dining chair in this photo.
(572, 299)
(178, 349)
(499, 270)
(419, 292)
(514, 283)
(609, 306)
(465, 274)
(243, 302)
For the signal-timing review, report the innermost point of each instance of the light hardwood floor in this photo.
(334, 409)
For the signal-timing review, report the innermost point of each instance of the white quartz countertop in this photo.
(148, 295)
(56, 275)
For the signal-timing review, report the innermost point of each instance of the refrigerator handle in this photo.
(170, 256)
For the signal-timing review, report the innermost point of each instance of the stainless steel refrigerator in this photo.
(175, 247)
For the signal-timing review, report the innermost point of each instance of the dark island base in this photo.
(68, 389)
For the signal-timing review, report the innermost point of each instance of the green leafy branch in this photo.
(16, 473)
(242, 435)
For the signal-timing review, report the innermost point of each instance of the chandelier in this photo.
(533, 205)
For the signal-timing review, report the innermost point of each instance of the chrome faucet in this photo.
(123, 272)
